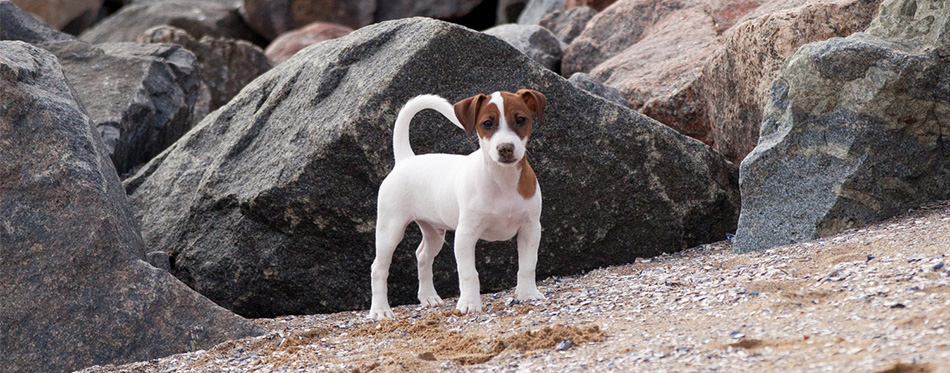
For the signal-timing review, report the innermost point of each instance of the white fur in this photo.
(473, 194)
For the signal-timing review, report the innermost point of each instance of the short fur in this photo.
(490, 194)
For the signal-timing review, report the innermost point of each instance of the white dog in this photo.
(491, 194)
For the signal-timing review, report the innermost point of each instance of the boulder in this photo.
(734, 85)
(288, 44)
(567, 24)
(75, 289)
(15, 24)
(853, 130)
(141, 96)
(535, 10)
(270, 18)
(535, 41)
(269, 204)
(597, 5)
(509, 10)
(441, 9)
(197, 17)
(224, 65)
(657, 74)
(62, 14)
(592, 85)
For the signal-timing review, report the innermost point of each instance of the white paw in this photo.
(469, 305)
(379, 313)
(430, 300)
(529, 294)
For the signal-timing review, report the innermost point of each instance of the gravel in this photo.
(872, 299)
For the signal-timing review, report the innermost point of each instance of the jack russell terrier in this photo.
(490, 194)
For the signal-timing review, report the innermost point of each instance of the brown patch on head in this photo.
(473, 112)
(528, 181)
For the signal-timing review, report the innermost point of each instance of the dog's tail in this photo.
(401, 148)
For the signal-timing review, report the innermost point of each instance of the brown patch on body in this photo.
(528, 181)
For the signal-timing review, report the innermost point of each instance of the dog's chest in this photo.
(502, 218)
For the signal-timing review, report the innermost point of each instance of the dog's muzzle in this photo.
(506, 153)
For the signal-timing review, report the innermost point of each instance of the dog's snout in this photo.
(506, 150)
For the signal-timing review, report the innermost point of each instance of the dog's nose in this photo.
(506, 150)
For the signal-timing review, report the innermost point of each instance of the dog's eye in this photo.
(520, 120)
(487, 123)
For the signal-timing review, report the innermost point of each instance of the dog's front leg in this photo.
(469, 300)
(529, 238)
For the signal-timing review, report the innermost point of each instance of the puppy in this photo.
(490, 194)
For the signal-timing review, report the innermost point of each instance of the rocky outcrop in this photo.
(73, 15)
(269, 203)
(853, 130)
(141, 96)
(75, 290)
(535, 41)
(199, 18)
(288, 44)
(15, 24)
(224, 65)
(734, 86)
(567, 24)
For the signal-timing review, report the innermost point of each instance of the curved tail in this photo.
(401, 148)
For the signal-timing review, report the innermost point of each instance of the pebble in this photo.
(565, 345)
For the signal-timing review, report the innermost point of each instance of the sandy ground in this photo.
(873, 299)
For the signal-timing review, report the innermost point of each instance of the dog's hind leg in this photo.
(432, 241)
(388, 234)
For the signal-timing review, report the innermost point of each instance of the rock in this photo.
(269, 204)
(63, 14)
(852, 132)
(141, 96)
(225, 65)
(597, 5)
(589, 84)
(535, 41)
(16, 24)
(75, 291)
(509, 10)
(535, 10)
(271, 18)
(160, 260)
(199, 18)
(735, 83)
(657, 74)
(567, 24)
(288, 44)
(441, 9)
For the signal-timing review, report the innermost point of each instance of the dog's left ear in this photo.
(535, 101)
(467, 110)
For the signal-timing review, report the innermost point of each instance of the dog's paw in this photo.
(379, 313)
(469, 305)
(430, 300)
(530, 294)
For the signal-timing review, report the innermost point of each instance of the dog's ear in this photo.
(467, 112)
(535, 101)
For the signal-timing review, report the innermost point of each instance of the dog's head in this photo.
(502, 121)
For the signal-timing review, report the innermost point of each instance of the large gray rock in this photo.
(197, 17)
(141, 96)
(75, 290)
(537, 42)
(224, 65)
(269, 204)
(15, 24)
(853, 130)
